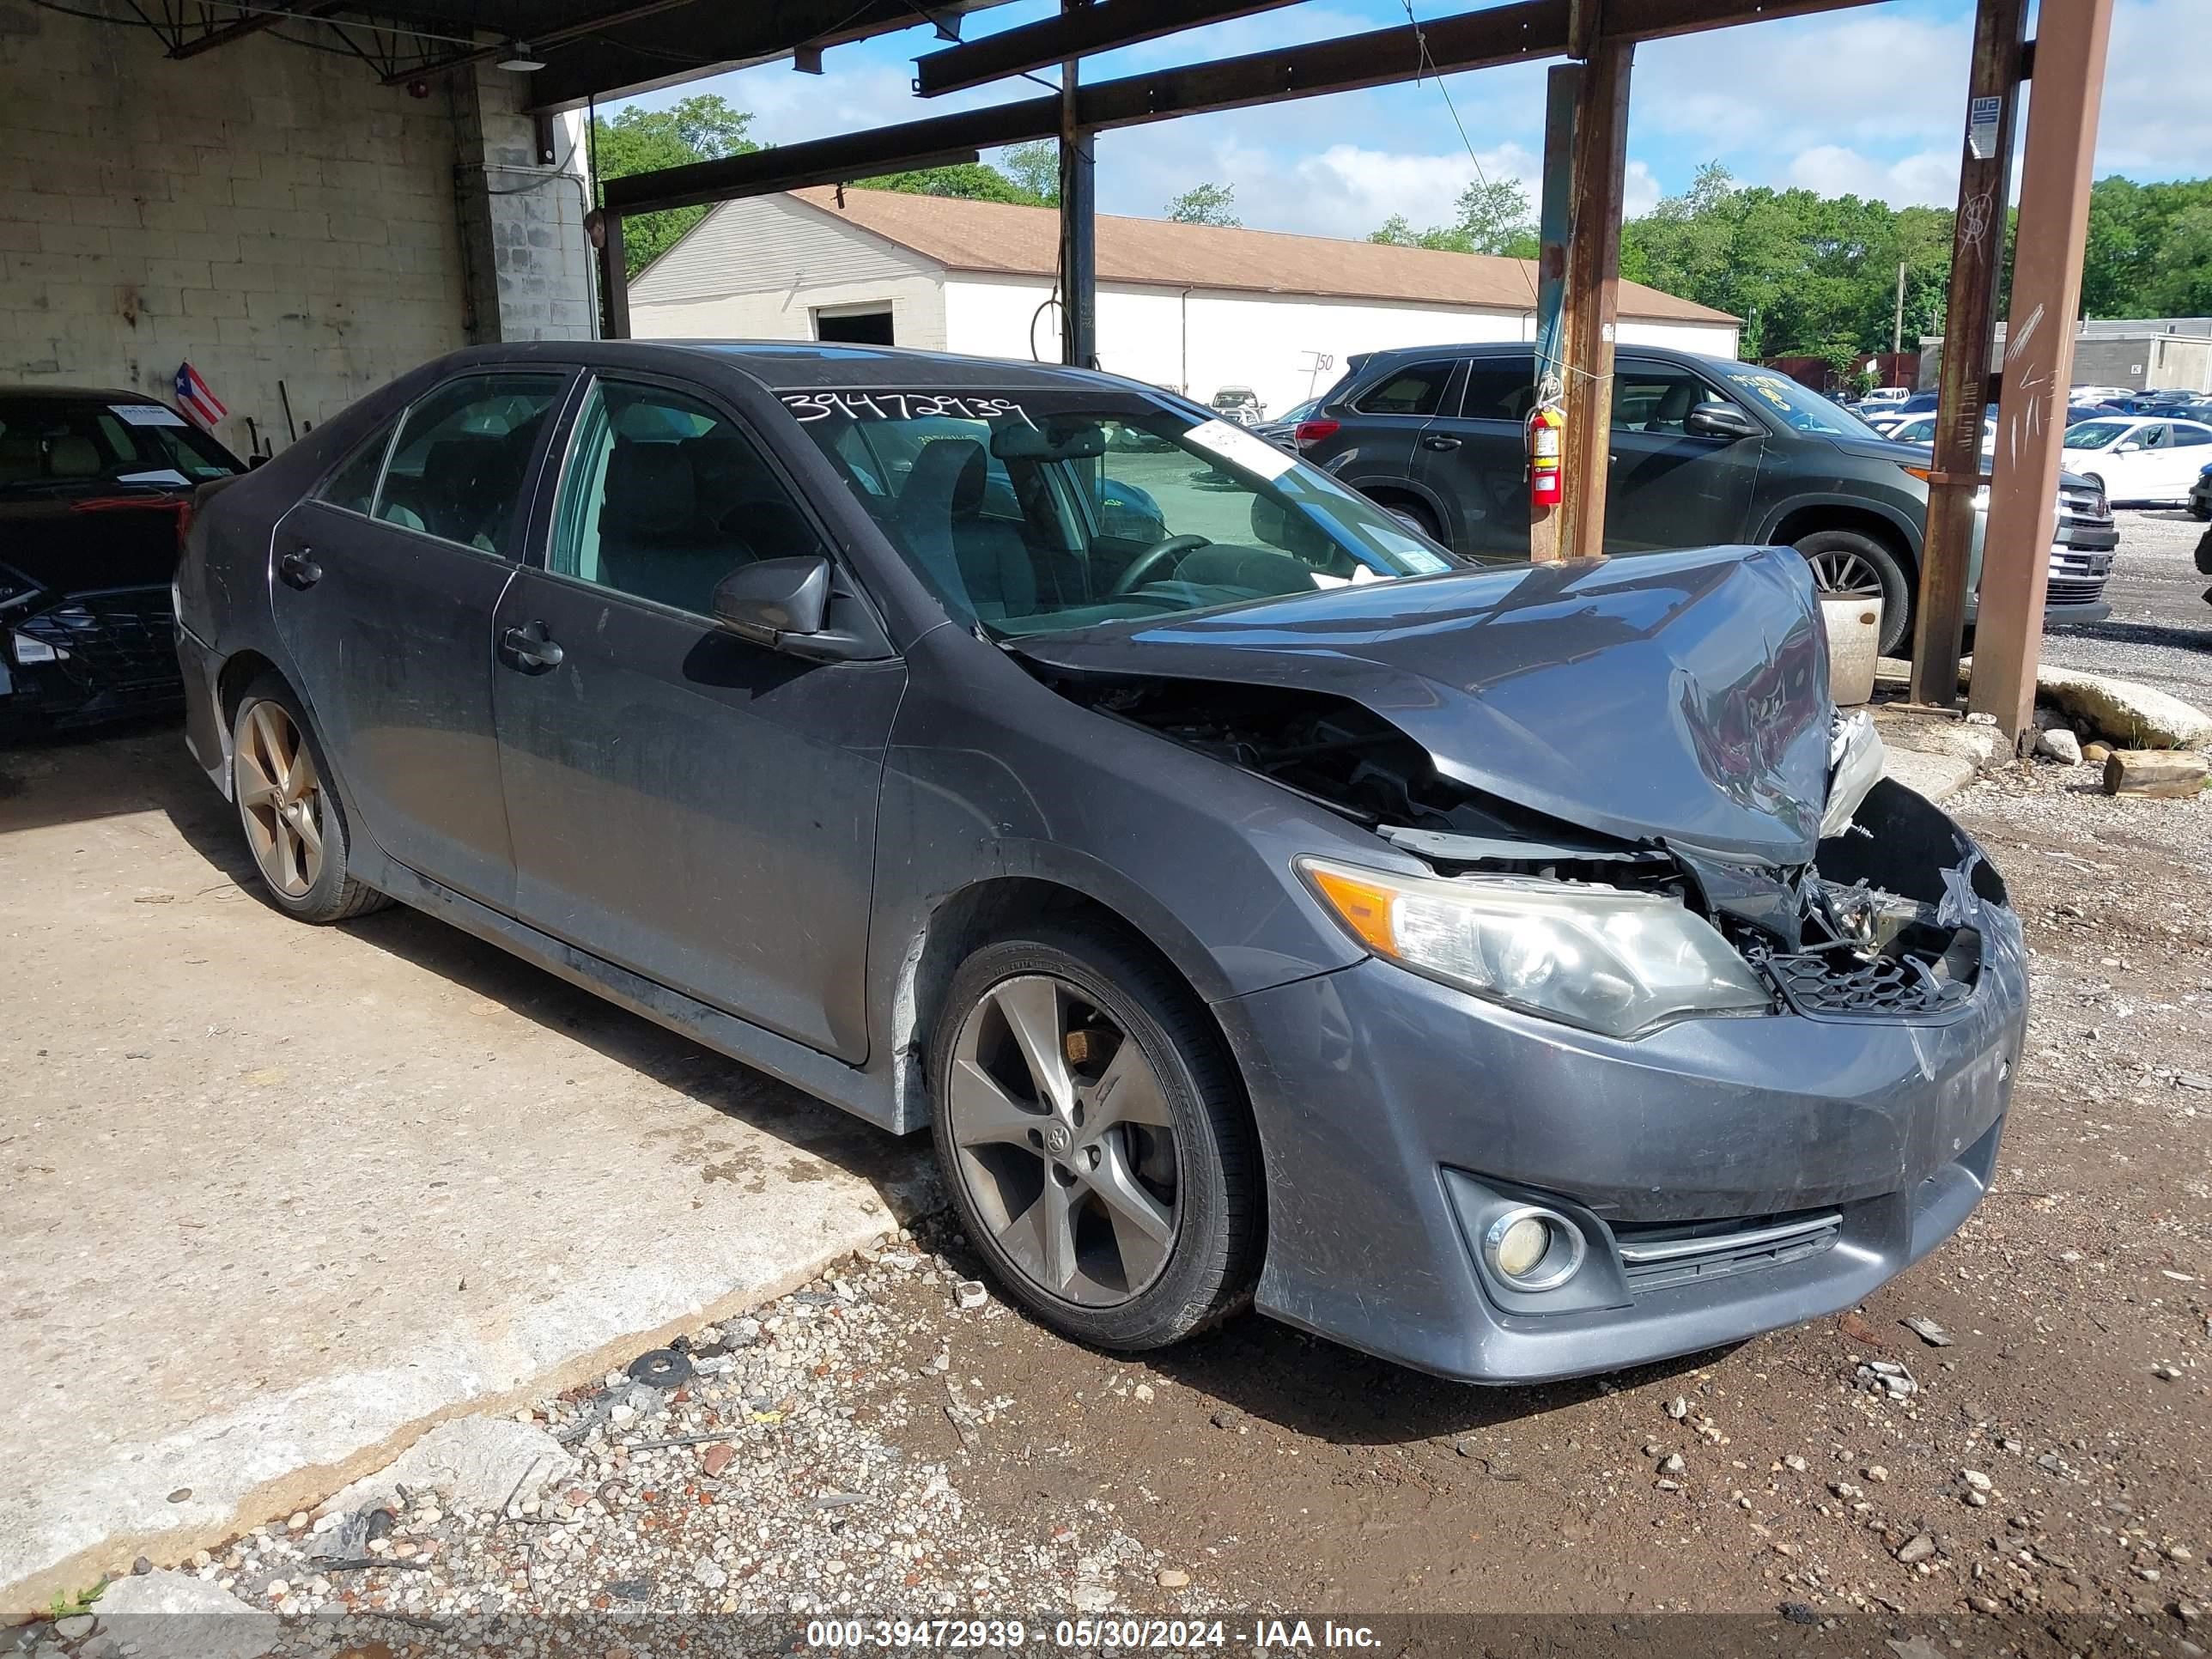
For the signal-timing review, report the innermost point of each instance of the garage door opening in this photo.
(872, 326)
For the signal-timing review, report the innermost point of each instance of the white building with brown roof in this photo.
(1194, 307)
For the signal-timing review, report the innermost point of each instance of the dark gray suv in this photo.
(1704, 450)
(1514, 972)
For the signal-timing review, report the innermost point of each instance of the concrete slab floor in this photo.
(280, 1197)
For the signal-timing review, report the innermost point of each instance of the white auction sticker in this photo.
(145, 414)
(1234, 443)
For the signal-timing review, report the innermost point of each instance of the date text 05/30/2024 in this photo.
(1120, 1635)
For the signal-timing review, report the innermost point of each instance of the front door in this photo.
(384, 583)
(696, 808)
(1667, 486)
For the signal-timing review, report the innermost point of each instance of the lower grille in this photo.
(2069, 591)
(116, 640)
(1657, 1258)
(1839, 983)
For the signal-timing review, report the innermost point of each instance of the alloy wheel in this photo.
(281, 800)
(1065, 1141)
(1840, 574)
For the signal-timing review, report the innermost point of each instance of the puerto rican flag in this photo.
(196, 400)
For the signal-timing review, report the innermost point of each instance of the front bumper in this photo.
(2079, 566)
(111, 663)
(1382, 1099)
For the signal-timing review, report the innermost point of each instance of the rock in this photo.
(1795, 1463)
(1987, 1605)
(1916, 1549)
(2096, 753)
(1665, 1485)
(1797, 1613)
(2170, 1373)
(716, 1458)
(1142, 1392)
(709, 1574)
(477, 1462)
(2140, 716)
(182, 1495)
(1172, 1578)
(2162, 773)
(1927, 1331)
(2059, 744)
(77, 1624)
(970, 1294)
(277, 1590)
(166, 1616)
(1672, 1463)
(1977, 1480)
(1678, 1409)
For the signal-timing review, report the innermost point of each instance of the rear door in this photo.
(384, 584)
(691, 805)
(1667, 486)
(1379, 446)
(1475, 456)
(2188, 451)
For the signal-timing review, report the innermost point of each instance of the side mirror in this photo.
(770, 598)
(2130, 447)
(1716, 419)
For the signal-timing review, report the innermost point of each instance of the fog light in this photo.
(1533, 1249)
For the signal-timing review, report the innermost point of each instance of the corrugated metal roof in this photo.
(1000, 237)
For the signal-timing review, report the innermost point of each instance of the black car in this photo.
(1235, 882)
(1704, 450)
(92, 486)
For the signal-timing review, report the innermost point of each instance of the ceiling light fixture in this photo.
(517, 56)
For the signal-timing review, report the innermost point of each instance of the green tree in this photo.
(973, 181)
(702, 127)
(1494, 216)
(1206, 204)
(1034, 168)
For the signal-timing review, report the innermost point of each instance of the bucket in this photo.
(1854, 642)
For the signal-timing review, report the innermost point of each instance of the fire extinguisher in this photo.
(1545, 422)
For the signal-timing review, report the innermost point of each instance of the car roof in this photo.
(784, 365)
(1525, 348)
(76, 394)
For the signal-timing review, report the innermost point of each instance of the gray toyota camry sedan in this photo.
(1515, 971)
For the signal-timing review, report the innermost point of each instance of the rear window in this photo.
(1504, 390)
(1418, 389)
(49, 443)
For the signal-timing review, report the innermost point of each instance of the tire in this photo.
(1129, 1013)
(1849, 563)
(1416, 515)
(293, 821)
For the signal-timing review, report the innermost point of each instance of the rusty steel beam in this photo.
(252, 23)
(2046, 295)
(1970, 323)
(1562, 91)
(1523, 31)
(1054, 41)
(1593, 295)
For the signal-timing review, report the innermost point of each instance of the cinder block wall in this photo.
(269, 213)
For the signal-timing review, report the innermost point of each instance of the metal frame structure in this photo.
(597, 48)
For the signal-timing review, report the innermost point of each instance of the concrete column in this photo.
(526, 260)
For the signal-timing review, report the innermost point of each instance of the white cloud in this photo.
(1928, 177)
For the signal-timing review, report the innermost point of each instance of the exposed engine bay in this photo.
(1882, 924)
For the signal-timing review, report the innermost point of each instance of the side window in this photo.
(664, 497)
(458, 466)
(2152, 437)
(1499, 389)
(2186, 436)
(353, 486)
(1654, 397)
(1418, 389)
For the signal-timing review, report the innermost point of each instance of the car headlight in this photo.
(1600, 957)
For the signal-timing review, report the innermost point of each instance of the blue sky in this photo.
(1868, 100)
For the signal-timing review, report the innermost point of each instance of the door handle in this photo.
(298, 570)
(531, 652)
(1438, 441)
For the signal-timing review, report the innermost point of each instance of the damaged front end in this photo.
(1884, 921)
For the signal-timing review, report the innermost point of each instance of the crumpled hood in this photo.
(1681, 696)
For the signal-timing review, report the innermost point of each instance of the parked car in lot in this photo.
(1704, 450)
(1882, 397)
(1516, 973)
(1239, 404)
(2138, 460)
(2200, 495)
(1281, 430)
(92, 484)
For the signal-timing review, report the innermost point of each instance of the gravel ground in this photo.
(2160, 629)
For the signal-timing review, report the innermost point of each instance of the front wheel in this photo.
(294, 824)
(1850, 565)
(1095, 1137)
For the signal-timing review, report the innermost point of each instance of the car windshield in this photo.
(1800, 409)
(48, 443)
(1036, 512)
(2094, 435)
